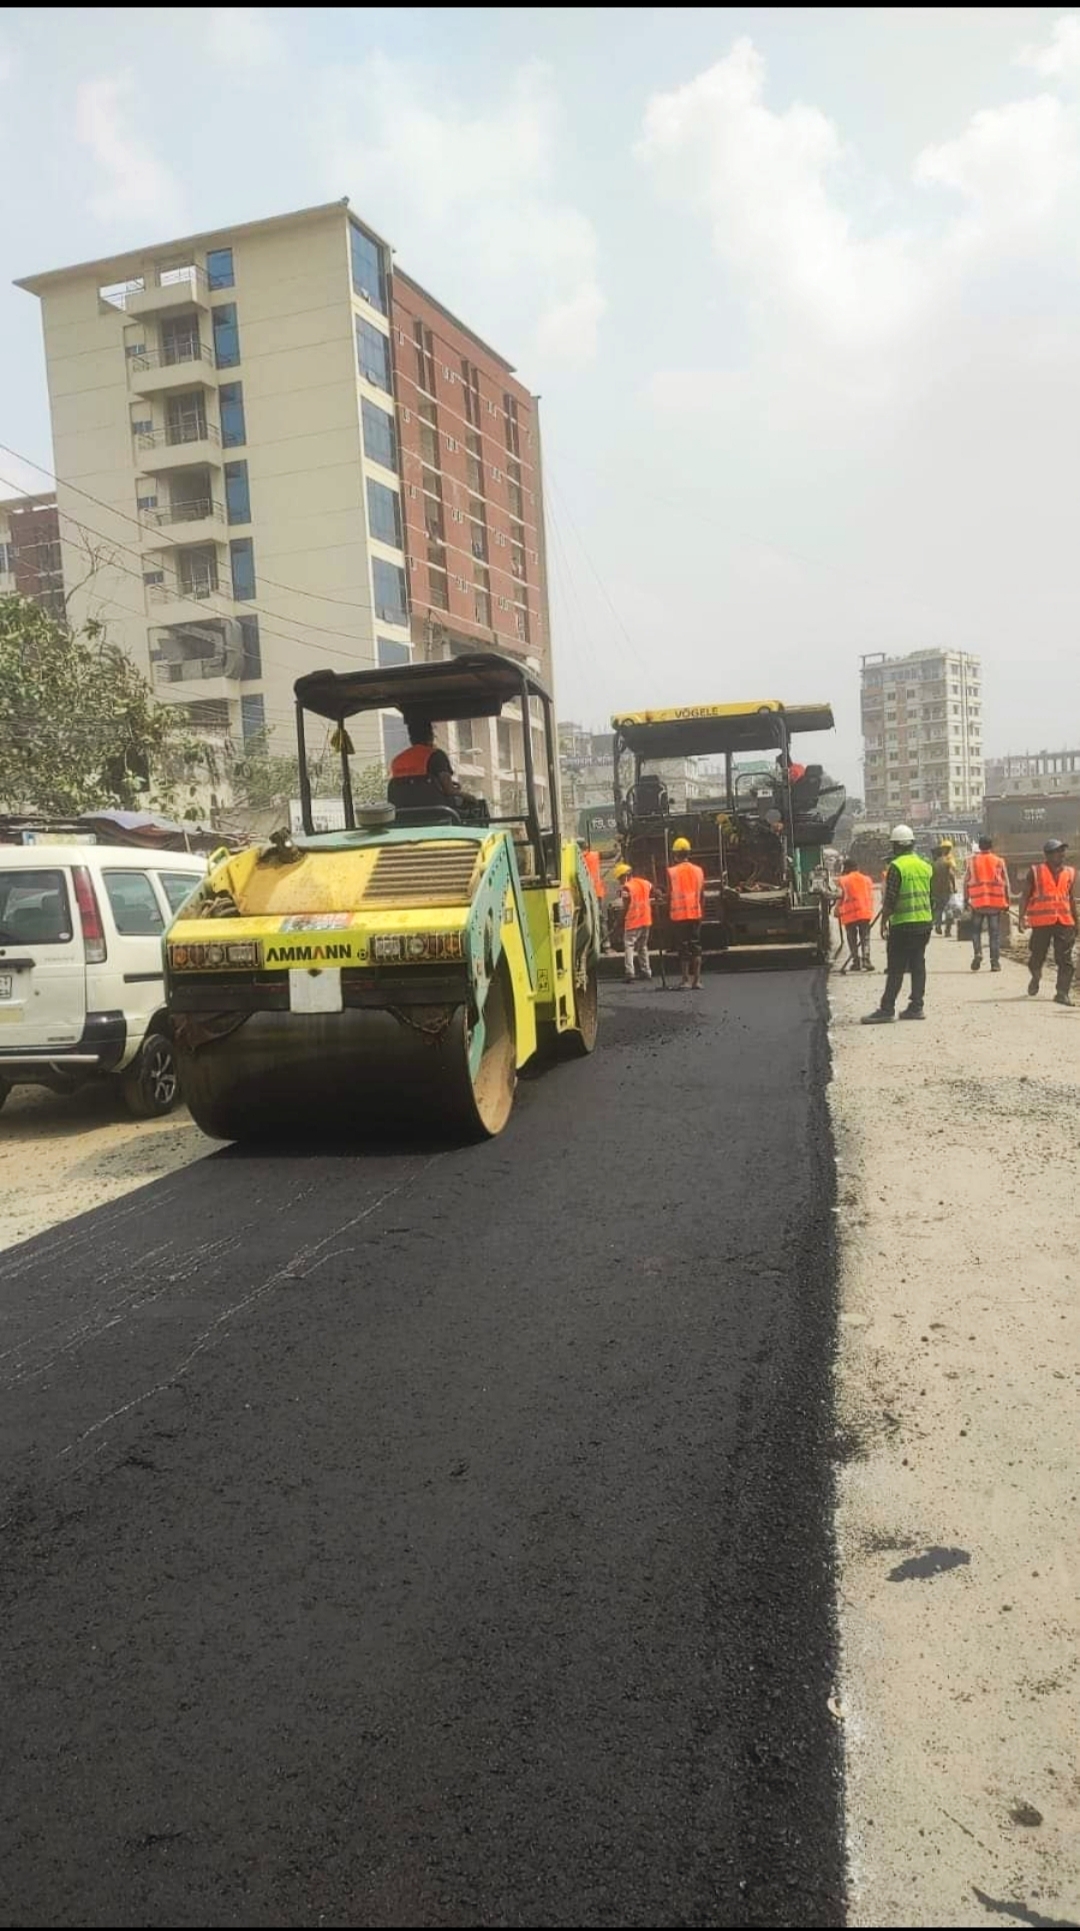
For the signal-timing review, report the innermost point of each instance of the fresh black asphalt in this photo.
(441, 1536)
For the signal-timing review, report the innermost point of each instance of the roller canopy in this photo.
(476, 685)
(696, 730)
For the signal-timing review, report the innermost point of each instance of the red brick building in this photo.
(472, 509)
(30, 561)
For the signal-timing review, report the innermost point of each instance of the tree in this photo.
(79, 727)
(261, 777)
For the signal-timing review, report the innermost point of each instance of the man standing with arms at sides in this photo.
(1048, 905)
(986, 896)
(944, 886)
(686, 909)
(855, 911)
(637, 898)
(907, 919)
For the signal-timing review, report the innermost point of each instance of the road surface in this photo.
(441, 1537)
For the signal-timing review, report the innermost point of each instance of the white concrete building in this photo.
(922, 735)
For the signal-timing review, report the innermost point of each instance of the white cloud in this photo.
(1061, 55)
(1014, 166)
(244, 36)
(133, 181)
(454, 185)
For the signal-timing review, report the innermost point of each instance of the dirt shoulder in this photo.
(61, 1156)
(958, 1514)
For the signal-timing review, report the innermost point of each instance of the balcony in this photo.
(202, 520)
(180, 445)
(155, 372)
(197, 663)
(181, 597)
(168, 291)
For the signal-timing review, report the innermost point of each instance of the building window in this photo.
(251, 649)
(7, 558)
(470, 380)
(438, 589)
(482, 596)
(226, 336)
(517, 561)
(237, 495)
(389, 584)
(384, 513)
(516, 500)
(368, 272)
(380, 440)
(513, 433)
(233, 429)
(395, 737)
(425, 358)
(180, 340)
(389, 652)
(505, 745)
(242, 557)
(474, 473)
(219, 267)
(373, 354)
(253, 717)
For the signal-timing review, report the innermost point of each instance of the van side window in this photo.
(34, 908)
(177, 886)
(134, 905)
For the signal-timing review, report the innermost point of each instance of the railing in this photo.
(175, 589)
(172, 356)
(162, 277)
(177, 432)
(201, 509)
(183, 670)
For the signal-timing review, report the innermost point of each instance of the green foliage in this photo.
(79, 727)
(262, 778)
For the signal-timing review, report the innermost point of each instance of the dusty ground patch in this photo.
(959, 1469)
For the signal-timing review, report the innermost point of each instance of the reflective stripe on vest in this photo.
(1049, 901)
(686, 881)
(856, 897)
(913, 906)
(987, 882)
(412, 762)
(639, 910)
(592, 866)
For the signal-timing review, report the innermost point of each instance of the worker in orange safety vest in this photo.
(637, 898)
(855, 912)
(422, 758)
(686, 909)
(1048, 905)
(986, 897)
(591, 861)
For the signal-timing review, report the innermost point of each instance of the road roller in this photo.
(401, 971)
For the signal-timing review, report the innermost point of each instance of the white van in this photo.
(81, 982)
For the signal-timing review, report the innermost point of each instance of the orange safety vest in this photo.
(592, 866)
(856, 898)
(639, 910)
(1049, 901)
(412, 762)
(987, 883)
(686, 883)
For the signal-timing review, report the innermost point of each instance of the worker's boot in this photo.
(878, 1018)
(1033, 987)
(976, 962)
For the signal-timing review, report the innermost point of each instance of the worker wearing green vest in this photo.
(907, 920)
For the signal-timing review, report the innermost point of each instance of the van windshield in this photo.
(34, 908)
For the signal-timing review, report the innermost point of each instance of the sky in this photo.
(799, 289)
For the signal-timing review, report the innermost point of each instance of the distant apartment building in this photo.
(30, 559)
(284, 455)
(1024, 774)
(922, 735)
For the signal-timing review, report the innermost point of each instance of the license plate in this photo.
(7, 985)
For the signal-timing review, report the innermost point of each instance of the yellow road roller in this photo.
(400, 971)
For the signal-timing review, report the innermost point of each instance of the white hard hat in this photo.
(902, 835)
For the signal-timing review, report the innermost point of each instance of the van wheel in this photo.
(151, 1088)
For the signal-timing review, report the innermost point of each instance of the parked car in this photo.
(81, 981)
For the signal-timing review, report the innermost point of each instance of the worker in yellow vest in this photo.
(1048, 905)
(686, 909)
(907, 920)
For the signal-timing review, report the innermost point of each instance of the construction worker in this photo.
(591, 861)
(1048, 905)
(907, 919)
(686, 909)
(423, 759)
(637, 898)
(943, 890)
(855, 912)
(986, 897)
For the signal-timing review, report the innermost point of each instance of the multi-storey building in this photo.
(30, 559)
(922, 735)
(271, 470)
(1033, 773)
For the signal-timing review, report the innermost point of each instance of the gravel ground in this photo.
(957, 1143)
(60, 1156)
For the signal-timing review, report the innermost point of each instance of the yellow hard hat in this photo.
(946, 844)
(681, 845)
(622, 871)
